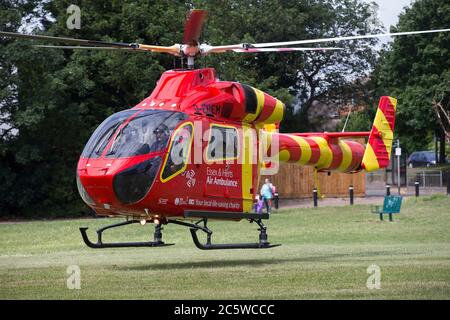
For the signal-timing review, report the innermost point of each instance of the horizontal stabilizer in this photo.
(335, 135)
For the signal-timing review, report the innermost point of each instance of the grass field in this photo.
(325, 255)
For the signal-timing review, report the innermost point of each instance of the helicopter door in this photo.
(223, 172)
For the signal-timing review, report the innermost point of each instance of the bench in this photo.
(391, 205)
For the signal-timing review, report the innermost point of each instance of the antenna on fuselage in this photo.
(348, 116)
(190, 62)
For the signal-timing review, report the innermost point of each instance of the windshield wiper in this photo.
(110, 153)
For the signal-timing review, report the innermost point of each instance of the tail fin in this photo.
(378, 150)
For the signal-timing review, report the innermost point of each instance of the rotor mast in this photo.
(189, 51)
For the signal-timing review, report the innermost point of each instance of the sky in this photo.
(389, 10)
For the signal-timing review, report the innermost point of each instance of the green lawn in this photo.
(325, 255)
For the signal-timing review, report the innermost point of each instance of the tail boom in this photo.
(320, 151)
(330, 152)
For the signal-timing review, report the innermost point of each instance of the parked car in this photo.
(422, 159)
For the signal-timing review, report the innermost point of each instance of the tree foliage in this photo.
(416, 69)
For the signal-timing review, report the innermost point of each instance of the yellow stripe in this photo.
(277, 114)
(284, 156)
(388, 144)
(393, 102)
(305, 150)
(370, 159)
(347, 156)
(270, 127)
(326, 155)
(259, 105)
(247, 168)
(381, 123)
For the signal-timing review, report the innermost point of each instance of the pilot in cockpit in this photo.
(162, 135)
(129, 142)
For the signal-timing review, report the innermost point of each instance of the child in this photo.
(259, 204)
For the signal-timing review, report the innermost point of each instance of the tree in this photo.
(416, 69)
(12, 192)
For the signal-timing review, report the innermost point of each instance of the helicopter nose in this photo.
(133, 183)
(83, 193)
(94, 186)
(117, 183)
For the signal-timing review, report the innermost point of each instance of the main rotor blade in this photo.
(193, 27)
(368, 36)
(66, 40)
(245, 48)
(174, 49)
(86, 47)
(256, 50)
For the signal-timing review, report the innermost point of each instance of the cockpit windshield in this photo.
(105, 131)
(147, 131)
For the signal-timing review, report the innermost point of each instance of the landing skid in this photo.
(262, 244)
(194, 228)
(100, 245)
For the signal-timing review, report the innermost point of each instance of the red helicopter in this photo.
(196, 147)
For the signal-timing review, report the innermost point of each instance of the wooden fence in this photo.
(293, 181)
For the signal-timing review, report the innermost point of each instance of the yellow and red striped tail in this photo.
(378, 150)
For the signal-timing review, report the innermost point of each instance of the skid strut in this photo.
(157, 242)
(262, 244)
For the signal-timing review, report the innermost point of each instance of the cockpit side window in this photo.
(223, 143)
(177, 158)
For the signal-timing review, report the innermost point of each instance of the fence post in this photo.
(423, 177)
(350, 190)
(276, 198)
(440, 179)
(315, 197)
(388, 190)
(416, 184)
(448, 182)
